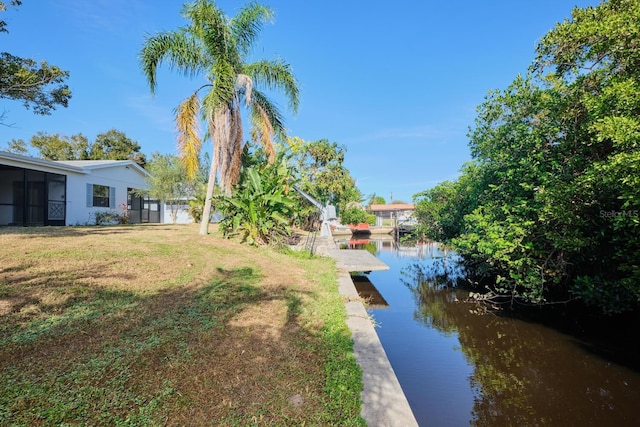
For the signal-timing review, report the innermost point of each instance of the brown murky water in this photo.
(459, 365)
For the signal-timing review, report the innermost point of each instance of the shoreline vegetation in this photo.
(155, 325)
(547, 209)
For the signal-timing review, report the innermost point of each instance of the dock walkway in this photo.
(383, 401)
(353, 260)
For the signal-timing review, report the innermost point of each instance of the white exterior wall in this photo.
(399, 215)
(181, 218)
(118, 176)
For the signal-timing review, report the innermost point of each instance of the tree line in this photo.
(110, 145)
(548, 210)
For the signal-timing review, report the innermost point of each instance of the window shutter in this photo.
(112, 197)
(89, 195)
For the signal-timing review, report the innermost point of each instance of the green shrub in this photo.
(353, 216)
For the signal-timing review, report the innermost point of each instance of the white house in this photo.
(393, 214)
(36, 192)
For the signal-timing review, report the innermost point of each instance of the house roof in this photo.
(32, 161)
(76, 166)
(101, 164)
(392, 207)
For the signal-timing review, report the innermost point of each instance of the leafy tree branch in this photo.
(38, 85)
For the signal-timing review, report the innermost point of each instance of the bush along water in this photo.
(547, 211)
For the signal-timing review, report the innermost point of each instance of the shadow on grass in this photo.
(51, 292)
(83, 230)
(109, 357)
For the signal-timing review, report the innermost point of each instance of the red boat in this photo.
(361, 228)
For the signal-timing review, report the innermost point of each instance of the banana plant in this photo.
(259, 212)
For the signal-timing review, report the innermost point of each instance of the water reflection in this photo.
(461, 365)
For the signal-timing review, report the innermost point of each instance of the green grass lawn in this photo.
(156, 325)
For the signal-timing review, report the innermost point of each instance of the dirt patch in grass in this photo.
(156, 325)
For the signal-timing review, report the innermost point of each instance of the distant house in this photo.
(36, 192)
(392, 214)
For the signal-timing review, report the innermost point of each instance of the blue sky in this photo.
(395, 82)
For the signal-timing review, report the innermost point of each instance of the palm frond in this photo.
(223, 93)
(244, 85)
(227, 140)
(275, 75)
(189, 142)
(247, 24)
(262, 131)
(260, 106)
(181, 52)
(211, 26)
(234, 165)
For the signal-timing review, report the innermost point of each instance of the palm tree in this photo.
(216, 47)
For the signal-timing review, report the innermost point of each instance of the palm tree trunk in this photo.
(221, 132)
(206, 212)
(211, 184)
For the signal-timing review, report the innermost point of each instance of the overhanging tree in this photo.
(38, 85)
(594, 61)
(555, 212)
(217, 48)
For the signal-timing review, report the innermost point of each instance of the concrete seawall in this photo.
(384, 403)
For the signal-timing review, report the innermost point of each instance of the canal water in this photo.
(460, 365)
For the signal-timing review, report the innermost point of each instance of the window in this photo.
(100, 196)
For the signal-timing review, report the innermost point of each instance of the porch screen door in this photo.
(56, 196)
